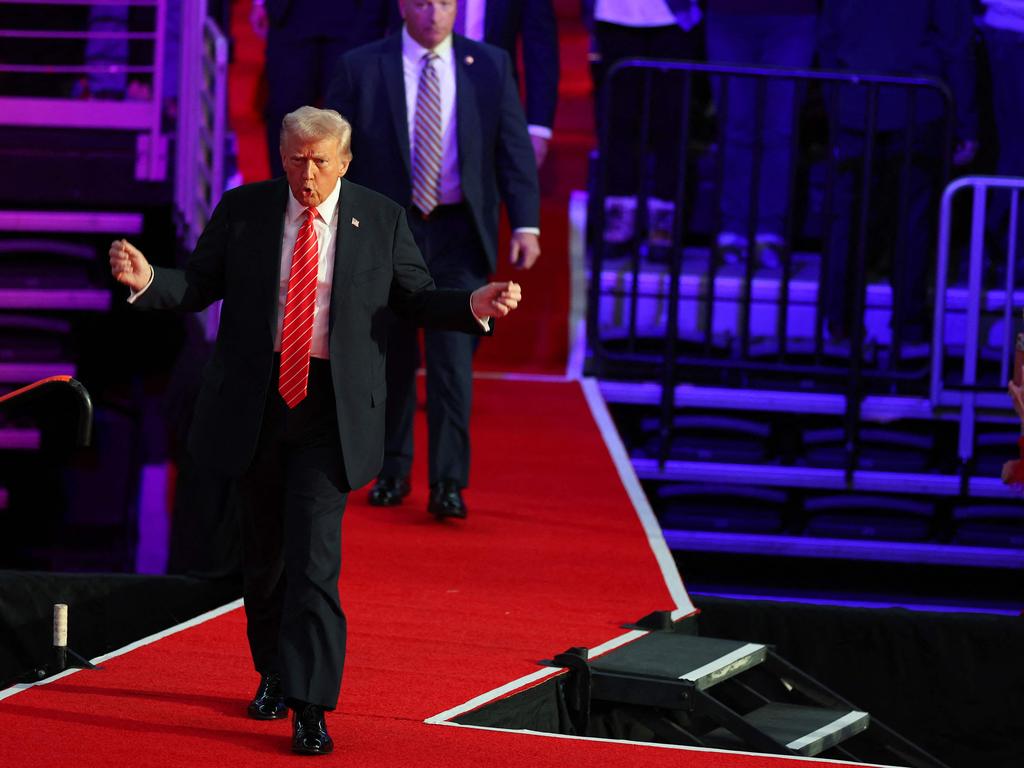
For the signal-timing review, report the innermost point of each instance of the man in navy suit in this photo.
(291, 405)
(425, 81)
(530, 24)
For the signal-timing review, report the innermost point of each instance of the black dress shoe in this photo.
(309, 731)
(446, 500)
(389, 491)
(268, 704)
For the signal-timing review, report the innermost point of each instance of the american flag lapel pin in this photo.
(355, 222)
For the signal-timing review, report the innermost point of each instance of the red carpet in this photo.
(438, 614)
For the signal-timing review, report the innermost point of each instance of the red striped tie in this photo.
(297, 330)
(426, 161)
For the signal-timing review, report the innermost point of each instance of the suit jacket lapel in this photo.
(394, 79)
(466, 115)
(270, 229)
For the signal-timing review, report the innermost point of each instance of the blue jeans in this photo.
(779, 40)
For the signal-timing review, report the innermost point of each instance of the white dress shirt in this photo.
(326, 226)
(412, 67)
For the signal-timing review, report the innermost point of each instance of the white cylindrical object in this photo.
(60, 625)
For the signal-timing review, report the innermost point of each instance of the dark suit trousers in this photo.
(292, 499)
(451, 248)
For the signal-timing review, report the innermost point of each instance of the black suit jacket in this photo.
(506, 22)
(495, 154)
(238, 259)
(355, 21)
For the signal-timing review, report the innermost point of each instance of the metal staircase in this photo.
(725, 694)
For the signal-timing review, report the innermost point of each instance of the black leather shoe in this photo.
(389, 491)
(309, 731)
(268, 704)
(446, 500)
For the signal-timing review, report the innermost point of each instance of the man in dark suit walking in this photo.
(530, 25)
(438, 127)
(304, 39)
(292, 399)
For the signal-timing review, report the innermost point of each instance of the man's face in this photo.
(428, 21)
(312, 168)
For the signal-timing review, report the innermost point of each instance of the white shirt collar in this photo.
(325, 209)
(415, 52)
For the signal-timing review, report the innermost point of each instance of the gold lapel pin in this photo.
(355, 222)
(468, 59)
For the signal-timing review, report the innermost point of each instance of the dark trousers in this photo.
(1005, 50)
(292, 498)
(780, 40)
(622, 148)
(900, 196)
(451, 248)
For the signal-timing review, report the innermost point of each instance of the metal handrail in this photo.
(967, 394)
(50, 384)
(658, 356)
(144, 116)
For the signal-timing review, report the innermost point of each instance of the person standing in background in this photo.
(653, 29)
(438, 127)
(304, 40)
(752, 32)
(1002, 27)
(530, 24)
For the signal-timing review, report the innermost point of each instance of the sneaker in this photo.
(732, 248)
(660, 220)
(768, 251)
(619, 218)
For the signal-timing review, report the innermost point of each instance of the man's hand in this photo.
(964, 152)
(525, 250)
(128, 265)
(540, 149)
(496, 299)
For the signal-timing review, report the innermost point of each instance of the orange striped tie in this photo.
(297, 330)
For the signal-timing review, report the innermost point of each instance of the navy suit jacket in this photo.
(496, 160)
(377, 269)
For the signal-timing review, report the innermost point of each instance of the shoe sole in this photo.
(258, 716)
(307, 751)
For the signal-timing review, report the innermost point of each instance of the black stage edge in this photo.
(105, 612)
(951, 683)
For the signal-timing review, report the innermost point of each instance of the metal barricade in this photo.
(202, 121)
(974, 326)
(53, 52)
(666, 304)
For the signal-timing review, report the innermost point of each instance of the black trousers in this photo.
(451, 248)
(292, 499)
(902, 192)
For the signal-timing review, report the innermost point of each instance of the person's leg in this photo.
(313, 626)
(1005, 50)
(456, 260)
(919, 186)
(787, 41)
(292, 74)
(260, 493)
(848, 159)
(400, 407)
(729, 43)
